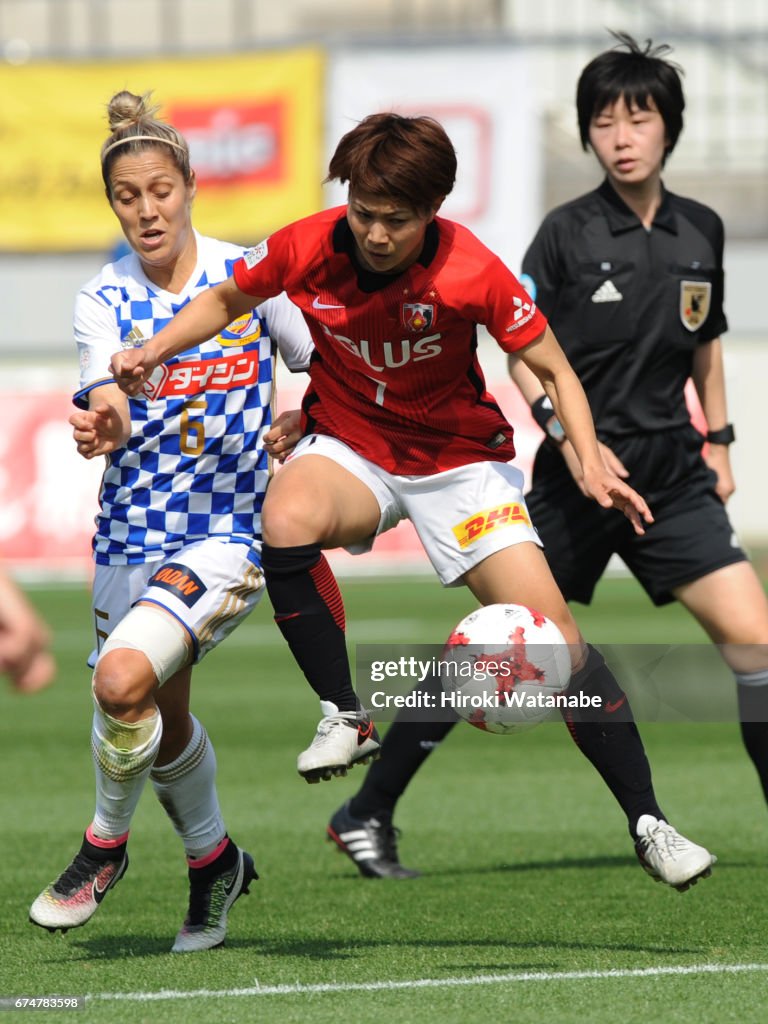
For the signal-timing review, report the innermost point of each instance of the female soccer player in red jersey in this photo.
(398, 424)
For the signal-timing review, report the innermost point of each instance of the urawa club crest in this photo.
(417, 316)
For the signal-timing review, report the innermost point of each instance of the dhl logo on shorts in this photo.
(482, 523)
(179, 580)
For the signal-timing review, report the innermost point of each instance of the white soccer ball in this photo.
(505, 668)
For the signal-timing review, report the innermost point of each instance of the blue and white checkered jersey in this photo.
(195, 466)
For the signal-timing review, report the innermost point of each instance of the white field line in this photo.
(418, 983)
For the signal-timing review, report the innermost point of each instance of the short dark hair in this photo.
(635, 73)
(406, 158)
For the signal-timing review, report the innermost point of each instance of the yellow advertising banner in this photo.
(253, 122)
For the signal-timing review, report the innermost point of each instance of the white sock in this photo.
(123, 755)
(187, 790)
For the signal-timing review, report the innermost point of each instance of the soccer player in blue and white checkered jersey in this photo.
(178, 535)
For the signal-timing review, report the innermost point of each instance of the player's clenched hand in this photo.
(611, 492)
(98, 431)
(284, 434)
(132, 368)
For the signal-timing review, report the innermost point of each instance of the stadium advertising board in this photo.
(479, 95)
(253, 123)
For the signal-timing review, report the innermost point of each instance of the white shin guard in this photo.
(123, 755)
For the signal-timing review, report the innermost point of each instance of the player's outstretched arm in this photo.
(547, 361)
(198, 321)
(534, 394)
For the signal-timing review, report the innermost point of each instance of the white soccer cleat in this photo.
(669, 857)
(77, 893)
(343, 739)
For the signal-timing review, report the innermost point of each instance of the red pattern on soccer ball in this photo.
(520, 668)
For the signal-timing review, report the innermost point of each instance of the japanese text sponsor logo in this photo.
(524, 311)
(180, 581)
(695, 297)
(256, 254)
(245, 328)
(390, 354)
(482, 523)
(192, 377)
(417, 316)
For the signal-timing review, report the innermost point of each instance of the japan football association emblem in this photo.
(418, 317)
(694, 303)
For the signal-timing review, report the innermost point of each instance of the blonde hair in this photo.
(134, 128)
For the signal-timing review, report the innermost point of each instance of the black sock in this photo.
(309, 611)
(609, 738)
(225, 861)
(102, 853)
(408, 743)
(753, 712)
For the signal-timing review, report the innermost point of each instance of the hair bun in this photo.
(126, 109)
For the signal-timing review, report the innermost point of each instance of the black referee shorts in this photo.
(691, 536)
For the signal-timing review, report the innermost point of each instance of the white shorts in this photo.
(209, 586)
(461, 515)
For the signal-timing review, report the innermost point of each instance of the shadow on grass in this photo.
(117, 947)
(561, 864)
(346, 870)
(121, 947)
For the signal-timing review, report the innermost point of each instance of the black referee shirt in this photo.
(630, 305)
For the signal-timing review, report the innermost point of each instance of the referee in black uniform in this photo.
(630, 278)
(635, 309)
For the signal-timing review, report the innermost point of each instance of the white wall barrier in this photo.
(48, 494)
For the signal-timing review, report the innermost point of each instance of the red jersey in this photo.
(395, 373)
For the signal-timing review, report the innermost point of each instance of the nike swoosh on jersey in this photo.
(317, 304)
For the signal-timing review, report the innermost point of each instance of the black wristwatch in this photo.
(725, 435)
(544, 414)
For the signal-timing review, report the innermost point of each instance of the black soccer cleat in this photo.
(371, 843)
(212, 892)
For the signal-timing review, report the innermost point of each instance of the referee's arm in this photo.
(708, 378)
